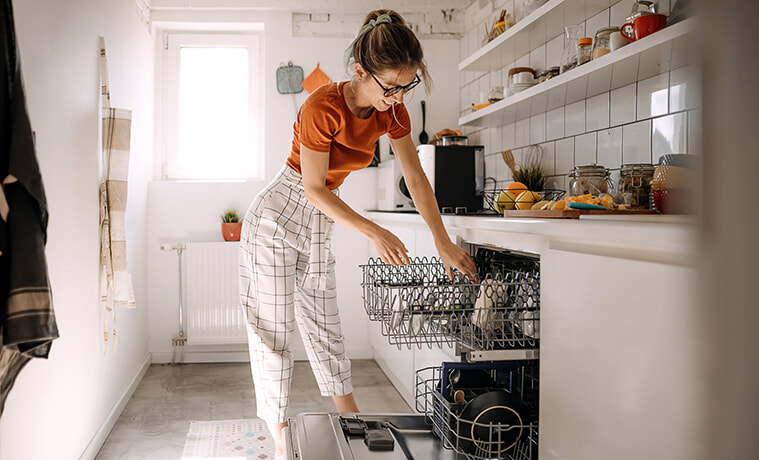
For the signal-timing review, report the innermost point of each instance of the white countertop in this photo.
(663, 238)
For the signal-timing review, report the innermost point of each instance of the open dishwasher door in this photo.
(322, 436)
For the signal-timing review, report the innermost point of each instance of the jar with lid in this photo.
(593, 179)
(602, 41)
(635, 184)
(583, 50)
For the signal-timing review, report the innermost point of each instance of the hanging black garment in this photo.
(27, 321)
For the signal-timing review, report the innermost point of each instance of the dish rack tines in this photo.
(418, 304)
(383, 282)
(480, 441)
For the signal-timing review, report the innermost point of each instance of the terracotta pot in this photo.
(231, 230)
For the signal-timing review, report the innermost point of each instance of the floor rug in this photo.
(229, 439)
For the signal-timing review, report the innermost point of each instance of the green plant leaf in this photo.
(230, 215)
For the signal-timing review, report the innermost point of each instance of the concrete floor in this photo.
(154, 423)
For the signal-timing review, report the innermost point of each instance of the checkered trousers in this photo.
(287, 278)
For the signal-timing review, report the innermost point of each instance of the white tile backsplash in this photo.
(557, 97)
(523, 61)
(523, 132)
(577, 89)
(597, 112)
(538, 129)
(619, 12)
(502, 172)
(596, 22)
(653, 96)
(549, 157)
(669, 134)
(623, 105)
(496, 140)
(625, 73)
(554, 48)
(538, 58)
(490, 165)
(610, 147)
(555, 124)
(636, 142)
(585, 149)
(694, 131)
(684, 89)
(509, 136)
(565, 155)
(574, 118)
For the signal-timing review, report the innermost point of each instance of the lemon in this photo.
(526, 199)
(506, 200)
(539, 205)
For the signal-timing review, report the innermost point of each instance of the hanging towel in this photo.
(316, 79)
(27, 320)
(115, 280)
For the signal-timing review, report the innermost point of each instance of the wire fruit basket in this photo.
(491, 195)
(471, 435)
(418, 304)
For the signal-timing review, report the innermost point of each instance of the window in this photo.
(212, 115)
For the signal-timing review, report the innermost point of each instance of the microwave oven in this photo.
(456, 174)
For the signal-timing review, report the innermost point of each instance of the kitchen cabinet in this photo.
(655, 54)
(619, 357)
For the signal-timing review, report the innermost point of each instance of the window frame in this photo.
(173, 42)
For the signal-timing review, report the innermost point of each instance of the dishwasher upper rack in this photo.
(451, 428)
(418, 304)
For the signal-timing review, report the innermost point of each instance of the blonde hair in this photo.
(386, 45)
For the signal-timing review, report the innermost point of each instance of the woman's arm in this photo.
(314, 168)
(426, 204)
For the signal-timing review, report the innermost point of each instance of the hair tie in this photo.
(382, 18)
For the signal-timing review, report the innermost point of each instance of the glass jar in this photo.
(593, 179)
(635, 180)
(583, 50)
(602, 42)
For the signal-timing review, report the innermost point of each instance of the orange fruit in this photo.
(516, 188)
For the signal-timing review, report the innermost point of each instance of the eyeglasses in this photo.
(396, 89)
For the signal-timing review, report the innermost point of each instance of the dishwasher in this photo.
(482, 407)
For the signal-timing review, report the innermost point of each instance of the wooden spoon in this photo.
(508, 158)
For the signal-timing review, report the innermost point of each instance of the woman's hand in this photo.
(455, 257)
(389, 247)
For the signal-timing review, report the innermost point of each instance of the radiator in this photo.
(211, 293)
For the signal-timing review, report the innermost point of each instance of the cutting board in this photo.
(571, 213)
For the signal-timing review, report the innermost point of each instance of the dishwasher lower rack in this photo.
(418, 304)
(470, 432)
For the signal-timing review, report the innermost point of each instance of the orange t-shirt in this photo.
(326, 124)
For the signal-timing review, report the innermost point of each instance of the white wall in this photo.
(181, 212)
(57, 406)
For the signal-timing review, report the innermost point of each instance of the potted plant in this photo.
(231, 225)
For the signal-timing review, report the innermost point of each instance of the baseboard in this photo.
(98, 440)
(235, 353)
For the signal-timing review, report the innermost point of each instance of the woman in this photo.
(287, 268)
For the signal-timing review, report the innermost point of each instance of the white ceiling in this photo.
(342, 6)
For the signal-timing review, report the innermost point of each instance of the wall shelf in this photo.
(537, 28)
(660, 52)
